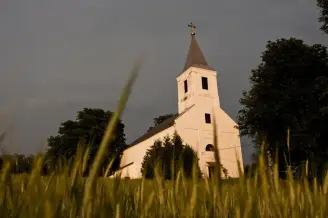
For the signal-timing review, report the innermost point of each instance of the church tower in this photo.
(197, 84)
(198, 106)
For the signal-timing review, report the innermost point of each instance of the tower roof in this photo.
(195, 57)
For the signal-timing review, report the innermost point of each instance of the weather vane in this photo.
(192, 28)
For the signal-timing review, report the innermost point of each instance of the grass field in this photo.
(63, 195)
(68, 194)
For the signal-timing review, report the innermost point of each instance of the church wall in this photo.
(195, 94)
(229, 144)
(186, 127)
(185, 99)
(194, 131)
(228, 140)
(137, 153)
(211, 76)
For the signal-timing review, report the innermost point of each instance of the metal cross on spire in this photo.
(192, 28)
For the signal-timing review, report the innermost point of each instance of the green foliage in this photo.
(170, 156)
(289, 90)
(87, 131)
(323, 5)
(160, 119)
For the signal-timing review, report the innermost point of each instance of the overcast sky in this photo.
(58, 56)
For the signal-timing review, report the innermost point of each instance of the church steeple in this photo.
(195, 57)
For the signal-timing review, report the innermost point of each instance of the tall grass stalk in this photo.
(106, 139)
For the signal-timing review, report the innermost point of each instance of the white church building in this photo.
(198, 106)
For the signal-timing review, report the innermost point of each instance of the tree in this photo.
(323, 5)
(170, 156)
(289, 91)
(87, 130)
(160, 119)
(18, 163)
(250, 169)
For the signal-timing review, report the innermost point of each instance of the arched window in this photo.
(209, 147)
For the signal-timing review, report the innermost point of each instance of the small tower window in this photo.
(207, 118)
(185, 86)
(204, 83)
(209, 147)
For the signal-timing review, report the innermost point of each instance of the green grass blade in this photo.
(107, 137)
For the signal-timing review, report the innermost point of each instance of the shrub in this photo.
(170, 156)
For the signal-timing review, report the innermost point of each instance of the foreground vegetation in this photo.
(63, 195)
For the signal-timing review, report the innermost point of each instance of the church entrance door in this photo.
(210, 171)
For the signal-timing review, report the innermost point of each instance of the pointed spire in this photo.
(195, 57)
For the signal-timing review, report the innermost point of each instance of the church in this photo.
(198, 106)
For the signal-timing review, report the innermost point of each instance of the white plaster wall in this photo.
(185, 100)
(194, 131)
(137, 153)
(229, 144)
(212, 91)
(186, 127)
(195, 92)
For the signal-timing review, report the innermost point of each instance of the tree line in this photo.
(82, 134)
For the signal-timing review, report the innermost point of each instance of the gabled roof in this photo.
(195, 57)
(159, 128)
(162, 126)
